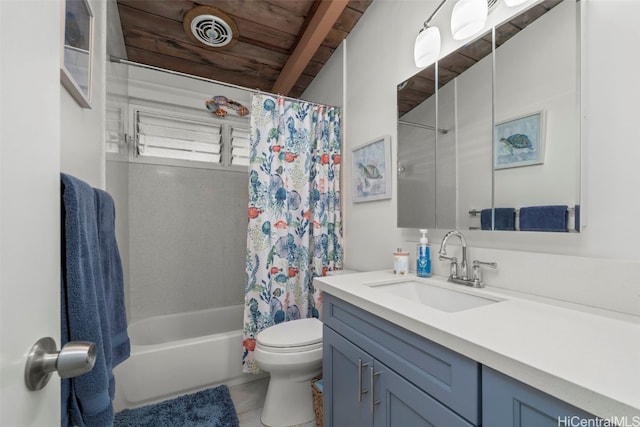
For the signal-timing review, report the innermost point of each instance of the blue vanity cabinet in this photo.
(361, 391)
(378, 374)
(509, 403)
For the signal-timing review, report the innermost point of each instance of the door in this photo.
(346, 382)
(29, 203)
(403, 404)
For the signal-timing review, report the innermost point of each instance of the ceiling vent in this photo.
(211, 27)
(491, 4)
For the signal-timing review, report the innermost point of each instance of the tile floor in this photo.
(248, 399)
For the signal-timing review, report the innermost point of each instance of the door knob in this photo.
(74, 359)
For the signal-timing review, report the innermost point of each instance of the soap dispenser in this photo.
(423, 256)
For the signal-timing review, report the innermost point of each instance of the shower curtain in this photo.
(295, 230)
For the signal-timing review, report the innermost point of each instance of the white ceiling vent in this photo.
(211, 30)
(491, 4)
(211, 27)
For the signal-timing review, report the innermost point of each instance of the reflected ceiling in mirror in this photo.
(420, 87)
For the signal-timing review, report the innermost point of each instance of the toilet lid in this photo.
(295, 333)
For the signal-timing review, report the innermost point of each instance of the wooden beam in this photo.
(323, 20)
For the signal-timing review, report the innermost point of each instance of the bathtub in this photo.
(180, 353)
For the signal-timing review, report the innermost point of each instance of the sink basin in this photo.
(433, 296)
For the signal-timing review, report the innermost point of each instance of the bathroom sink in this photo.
(433, 296)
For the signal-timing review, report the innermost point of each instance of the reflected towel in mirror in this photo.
(505, 219)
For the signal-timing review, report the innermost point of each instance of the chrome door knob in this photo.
(74, 359)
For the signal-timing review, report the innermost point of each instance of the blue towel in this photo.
(112, 278)
(505, 219)
(90, 309)
(544, 218)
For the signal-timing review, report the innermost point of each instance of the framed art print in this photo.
(371, 166)
(77, 50)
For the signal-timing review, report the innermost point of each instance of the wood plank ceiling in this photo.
(281, 45)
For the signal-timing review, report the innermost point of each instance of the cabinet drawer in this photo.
(448, 376)
(510, 403)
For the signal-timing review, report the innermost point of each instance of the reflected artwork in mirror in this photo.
(448, 138)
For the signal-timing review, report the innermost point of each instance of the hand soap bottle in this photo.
(423, 256)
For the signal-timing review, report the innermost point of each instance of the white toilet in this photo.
(292, 353)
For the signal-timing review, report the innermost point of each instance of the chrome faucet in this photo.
(454, 261)
(463, 278)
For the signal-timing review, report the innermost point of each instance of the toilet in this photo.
(292, 354)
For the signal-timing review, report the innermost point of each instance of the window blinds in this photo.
(178, 138)
(240, 146)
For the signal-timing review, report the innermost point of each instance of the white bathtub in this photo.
(179, 353)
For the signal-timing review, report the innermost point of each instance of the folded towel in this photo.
(505, 219)
(544, 218)
(85, 312)
(577, 218)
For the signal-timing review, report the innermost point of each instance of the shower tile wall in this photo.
(187, 239)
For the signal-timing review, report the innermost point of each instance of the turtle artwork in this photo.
(517, 141)
(371, 170)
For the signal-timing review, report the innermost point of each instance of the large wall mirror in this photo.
(495, 124)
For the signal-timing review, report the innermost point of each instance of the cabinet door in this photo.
(510, 403)
(345, 373)
(400, 403)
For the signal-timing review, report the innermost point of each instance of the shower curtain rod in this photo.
(204, 79)
(420, 125)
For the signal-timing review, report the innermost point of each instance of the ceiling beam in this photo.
(326, 15)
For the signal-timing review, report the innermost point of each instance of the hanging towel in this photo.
(91, 309)
(577, 218)
(505, 219)
(544, 218)
(112, 278)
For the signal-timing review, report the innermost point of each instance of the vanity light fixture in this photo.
(468, 18)
(426, 49)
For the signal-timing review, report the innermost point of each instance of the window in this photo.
(165, 136)
(240, 146)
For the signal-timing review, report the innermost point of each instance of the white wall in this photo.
(376, 64)
(82, 129)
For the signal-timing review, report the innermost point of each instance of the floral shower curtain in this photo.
(295, 227)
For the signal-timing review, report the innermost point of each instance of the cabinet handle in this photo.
(374, 402)
(360, 391)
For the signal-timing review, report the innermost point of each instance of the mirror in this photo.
(470, 158)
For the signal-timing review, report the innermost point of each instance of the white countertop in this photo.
(586, 357)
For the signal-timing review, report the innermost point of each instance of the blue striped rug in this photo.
(212, 407)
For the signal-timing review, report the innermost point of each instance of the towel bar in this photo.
(475, 212)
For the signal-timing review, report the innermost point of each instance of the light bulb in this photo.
(427, 47)
(468, 18)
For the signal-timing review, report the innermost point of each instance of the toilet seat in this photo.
(291, 337)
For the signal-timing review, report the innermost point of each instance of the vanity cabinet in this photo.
(510, 403)
(378, 374)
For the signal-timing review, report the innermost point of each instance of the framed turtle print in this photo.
(77, 50)
(519, 141)
(371, 170)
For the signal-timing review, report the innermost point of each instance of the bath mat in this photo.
(212, 407)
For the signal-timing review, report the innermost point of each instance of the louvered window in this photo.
(240, 146)
(114, 135)
(165, 136)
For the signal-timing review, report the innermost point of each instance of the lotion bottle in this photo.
(423, 256)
